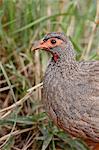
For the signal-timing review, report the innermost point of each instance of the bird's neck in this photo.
(65, 63)
(65, 53)
(65, 66)
(64, 60)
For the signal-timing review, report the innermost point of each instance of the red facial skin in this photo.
(48, 46)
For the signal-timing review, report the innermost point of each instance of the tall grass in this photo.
(23, 122)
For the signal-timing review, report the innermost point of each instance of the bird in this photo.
(70, 88)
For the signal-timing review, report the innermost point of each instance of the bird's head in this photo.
(56, 43)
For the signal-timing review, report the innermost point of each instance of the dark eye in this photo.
(53, 41)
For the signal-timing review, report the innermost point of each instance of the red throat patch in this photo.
(55, 56)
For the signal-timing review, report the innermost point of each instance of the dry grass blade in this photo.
(5, 115)
(8, 81)
(20, 102)
(85, 56)
(7, 88)
(15, 133)
(35, 87)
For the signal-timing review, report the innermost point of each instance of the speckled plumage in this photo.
(71, 91)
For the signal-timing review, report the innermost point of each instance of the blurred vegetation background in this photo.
(24, 124)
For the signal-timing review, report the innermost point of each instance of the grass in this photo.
(24, 124)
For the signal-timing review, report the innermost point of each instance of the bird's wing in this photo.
(90, 72)
(86, 99)
(90, 75)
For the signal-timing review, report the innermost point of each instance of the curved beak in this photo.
(38, 45)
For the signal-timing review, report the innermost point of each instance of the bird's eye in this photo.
(53, 41)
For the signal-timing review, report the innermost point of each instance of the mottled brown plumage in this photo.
(71, 89)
